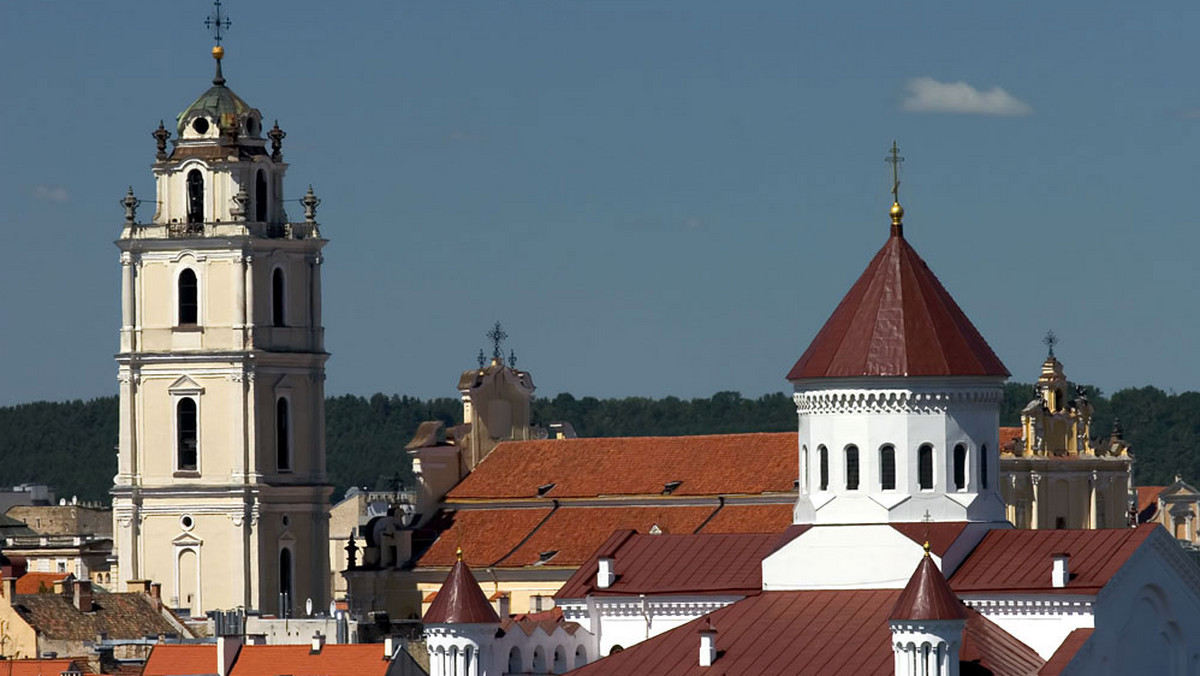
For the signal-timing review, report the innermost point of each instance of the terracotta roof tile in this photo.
(897, 320)
(1066, 652)
(120, 616)
(169, 659)
(11, 667)
(485, 535)
(1020, 561)
(460, 600)
(675, 564)
(750, 519)
(927, 596)
(1009, 436)
(581, 468)
(38, 583)
(355, 659)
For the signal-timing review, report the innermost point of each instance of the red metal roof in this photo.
(1020, 561)
(167, 659)
(353, 659)
(939, 535)
(460, 600)
(927, 596)
(1001, 653)
(584, 468)
(1066, 652)
(897, 320)
(677, 564)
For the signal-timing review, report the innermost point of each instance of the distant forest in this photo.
(71, 445)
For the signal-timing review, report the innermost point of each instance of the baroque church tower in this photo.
(220, 493)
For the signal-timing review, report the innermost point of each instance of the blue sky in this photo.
(653, 197)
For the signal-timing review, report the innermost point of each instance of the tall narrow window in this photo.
(277, 299)
(260, 196)
(852, 468)
(960, 467)
(186, 434)
(887, 468)
(925, 467)
(983, 468)
(189, 298)
(804, 469)
(195, 197)
(283, 433)
(285, 582)
(824, 460)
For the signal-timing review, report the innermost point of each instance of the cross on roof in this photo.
(497, 336)
(1050, 340)
(217, 22)
(895, 159)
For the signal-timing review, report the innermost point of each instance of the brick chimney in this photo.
(156, 594)
(83, 595)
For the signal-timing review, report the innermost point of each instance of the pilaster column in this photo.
(127, 302)
(1191, 534)
(239, 294)
(126, 427)
(248, 310)
(315, 303)
(1035, 508)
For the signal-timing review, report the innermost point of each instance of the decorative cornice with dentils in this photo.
(855, 401)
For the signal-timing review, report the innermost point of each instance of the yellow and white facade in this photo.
(221, 494)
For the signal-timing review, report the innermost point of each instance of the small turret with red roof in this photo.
(927, 623)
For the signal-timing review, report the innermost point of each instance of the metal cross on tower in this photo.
(497, 336)
(1050, 340)
(894, 159)
(217, 22)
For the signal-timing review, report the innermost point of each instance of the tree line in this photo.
(71, 445)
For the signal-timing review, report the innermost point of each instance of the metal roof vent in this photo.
(544, 489)
(544, 557)
(670, 486)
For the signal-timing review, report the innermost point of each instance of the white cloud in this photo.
(927, 95)
(51, 193)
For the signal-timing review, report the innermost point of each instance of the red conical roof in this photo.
(460, 600)
(927, 596)
(897, 320)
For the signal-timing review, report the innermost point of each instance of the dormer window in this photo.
(195, 194)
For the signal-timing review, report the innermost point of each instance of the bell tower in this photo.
(220, 493)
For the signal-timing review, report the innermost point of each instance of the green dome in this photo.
(219, 104)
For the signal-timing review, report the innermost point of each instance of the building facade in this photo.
(221, 493)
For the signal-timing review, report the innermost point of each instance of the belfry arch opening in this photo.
(195, 196)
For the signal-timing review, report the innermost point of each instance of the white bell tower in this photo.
(221, 494)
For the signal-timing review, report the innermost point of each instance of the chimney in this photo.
(389, 648)
(156, 591)
(1061, 574)
(83, 595)
(708, 644)
(504, 605)
(142, 586)
(227, 650)
(606, 574)
(318, 642)
(9, 588)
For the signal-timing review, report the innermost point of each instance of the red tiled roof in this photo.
(127, 615)
(353, 659)
(1018, 560)
(1147, 496)
(11, 667)
(750, 519)
(38, 583)
(167, 659)
(927, 596)
(1066, 652)
(485, 535)
(460, 600)
(1009, 436)
(677, 564)
(940, 535)
(582, 468)
(897, 320)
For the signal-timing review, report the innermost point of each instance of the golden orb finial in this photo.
(218, 52)
(926, 547)
(897, 213)
(458, 553)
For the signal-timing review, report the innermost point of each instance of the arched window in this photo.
(283, 435)
(560, 660)
(823, 454)
(983, 468)
(515, 664)
(277, 299)
(195, 196)
(960, 467)
(186, 431)
(580, 656)
(285, 582)
(260, 196)
(887, 467)
(189, 298)
(852, 468)
(925, 467)
(539, 660)
(804, 468)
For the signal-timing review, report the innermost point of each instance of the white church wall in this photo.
(628, 620)
(843, 557)
(1041, 621)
